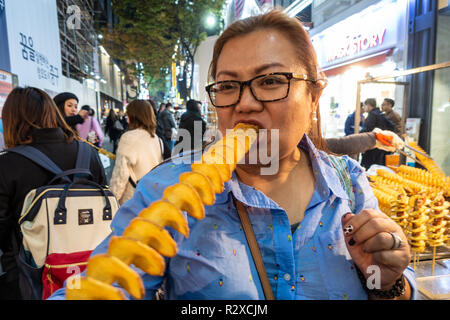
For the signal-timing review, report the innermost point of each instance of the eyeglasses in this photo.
(264, 88)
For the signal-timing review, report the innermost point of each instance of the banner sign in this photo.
(33, 38)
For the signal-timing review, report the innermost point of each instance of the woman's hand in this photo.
(369, 242)
(388, 140)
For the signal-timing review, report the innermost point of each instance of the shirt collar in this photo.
(327, 181)
(48, 135)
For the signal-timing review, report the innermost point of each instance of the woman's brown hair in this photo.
(30, 108)
(140, 115)
(294, 31)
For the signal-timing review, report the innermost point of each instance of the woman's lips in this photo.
(250, 121)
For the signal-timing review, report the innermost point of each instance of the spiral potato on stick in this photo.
(434, 183)
(437, 224)
(429, 164)
(417, 223)
(393, 201)
(145, 241)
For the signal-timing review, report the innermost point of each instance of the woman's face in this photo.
(261, 52)
(70, 107)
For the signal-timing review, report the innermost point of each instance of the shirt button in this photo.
(287, 276)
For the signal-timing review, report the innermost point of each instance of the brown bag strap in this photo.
(254, 248)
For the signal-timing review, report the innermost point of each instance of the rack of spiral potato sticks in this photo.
(417, 200)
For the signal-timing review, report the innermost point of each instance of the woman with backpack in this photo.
(30, 118)
(139, 150)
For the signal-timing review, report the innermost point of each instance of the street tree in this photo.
(157, 33)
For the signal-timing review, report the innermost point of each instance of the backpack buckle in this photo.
(60, 216)
(107, 213)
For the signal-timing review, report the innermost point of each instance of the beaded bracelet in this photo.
(397, 290)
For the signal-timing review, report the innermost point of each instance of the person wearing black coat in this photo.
(67, 104)
(112, 130)
(375, 119)
(167, 122)
(19, 175)
(187, 122)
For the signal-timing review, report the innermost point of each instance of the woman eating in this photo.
(320, 236)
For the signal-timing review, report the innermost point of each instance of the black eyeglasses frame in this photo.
(242, 84)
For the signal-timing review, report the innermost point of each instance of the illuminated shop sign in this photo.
(378, 27)
(355, 43)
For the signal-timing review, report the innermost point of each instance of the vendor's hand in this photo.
(84, 114)
(370, 244)
(395, 140)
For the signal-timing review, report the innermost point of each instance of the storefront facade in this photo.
(440, 109)
(371, 42)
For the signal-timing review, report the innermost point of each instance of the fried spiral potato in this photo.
(412, 186)
(399, 210)
(429, 164)
(437, 224)
(417, 223)
(384, 199)
(394, 203)
(436, 184)
(145, 241)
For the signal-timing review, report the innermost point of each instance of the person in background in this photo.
(350, 121)
(31, 118)
(167, 122)
(154, 107)
(166, 151)
(138, 152)
(315, 241)
(67, 104)
(162, 106)
(187, 122)
(113, 128)
(375, 119)
(90, 129)
(123, 119)
(387, 107)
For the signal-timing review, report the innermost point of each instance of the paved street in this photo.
(107, 145)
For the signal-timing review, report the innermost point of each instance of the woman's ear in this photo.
(317, 93)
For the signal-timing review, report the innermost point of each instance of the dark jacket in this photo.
(72, 121)
(167, 122)
(374, 120)
(18, 176)
(187, 122)
(350, 124)
(113, 133)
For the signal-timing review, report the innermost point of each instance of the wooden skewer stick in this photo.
(434, 260)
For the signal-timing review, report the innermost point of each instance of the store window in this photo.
(440, 129)
(339, 98)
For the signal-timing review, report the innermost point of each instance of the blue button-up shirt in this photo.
(215, 262)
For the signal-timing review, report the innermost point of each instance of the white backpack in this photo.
(60, 224)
